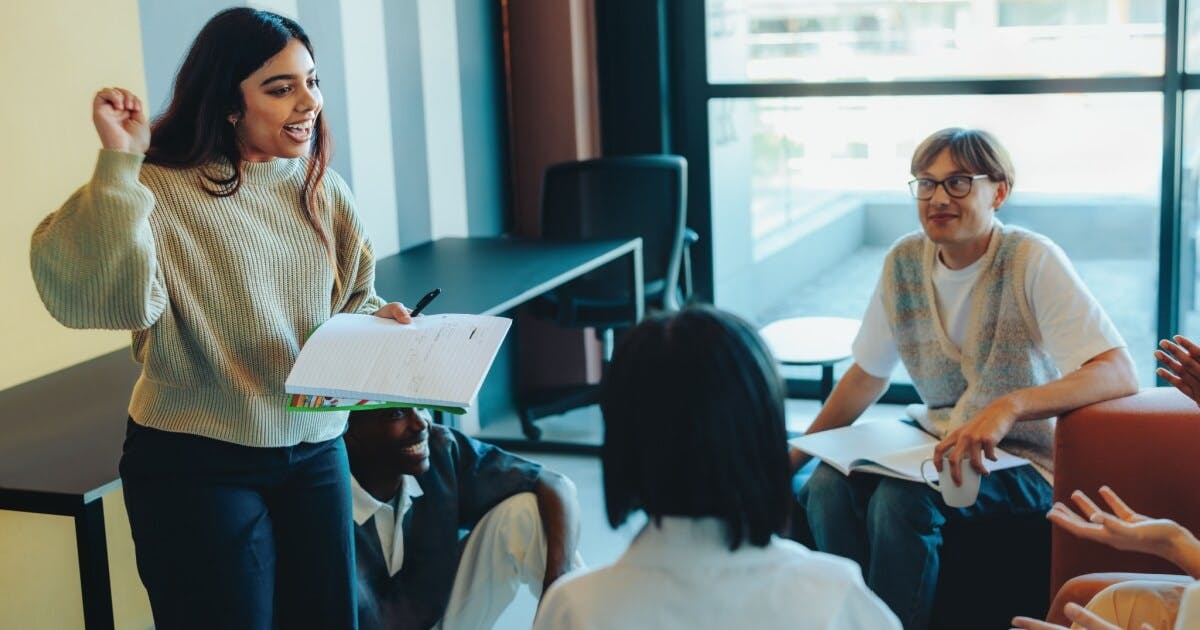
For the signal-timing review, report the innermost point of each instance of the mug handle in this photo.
(926, 478)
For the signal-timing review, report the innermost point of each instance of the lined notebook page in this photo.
(436, 360)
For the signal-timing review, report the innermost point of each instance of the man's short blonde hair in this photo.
(975, 150)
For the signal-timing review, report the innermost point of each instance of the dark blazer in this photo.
(466, 478)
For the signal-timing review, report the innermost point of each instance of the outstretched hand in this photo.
(1180, 359)
(120, 120)
(1121, 529)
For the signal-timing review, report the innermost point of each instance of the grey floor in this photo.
(599, 544)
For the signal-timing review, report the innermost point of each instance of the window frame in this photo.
(692, 93)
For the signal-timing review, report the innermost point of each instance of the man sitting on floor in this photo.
(416, 486)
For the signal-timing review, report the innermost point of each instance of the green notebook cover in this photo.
(306, 402)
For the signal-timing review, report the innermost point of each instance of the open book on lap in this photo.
(894, 448)
(365, 362)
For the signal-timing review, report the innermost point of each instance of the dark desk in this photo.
(61, 435)
(60, 441)
(493, 276)
(489, 276)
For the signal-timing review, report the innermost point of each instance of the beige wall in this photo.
(39, 571)
(53, 57)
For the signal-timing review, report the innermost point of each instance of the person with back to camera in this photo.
(694, 437)
(220, 238)
(999, 336)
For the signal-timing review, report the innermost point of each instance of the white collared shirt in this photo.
(387, 518)
(683, 576)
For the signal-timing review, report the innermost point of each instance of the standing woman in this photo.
(219, 237)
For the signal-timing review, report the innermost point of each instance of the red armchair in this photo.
(1146, 447)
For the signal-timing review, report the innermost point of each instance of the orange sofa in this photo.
(1146, 447)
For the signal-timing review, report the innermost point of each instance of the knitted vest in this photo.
(1002, 351)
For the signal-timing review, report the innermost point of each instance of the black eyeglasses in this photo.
(957, 186)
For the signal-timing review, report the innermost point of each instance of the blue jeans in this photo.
(893, 528)
(231, 536)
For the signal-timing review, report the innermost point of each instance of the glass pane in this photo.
(882, 40)
(1191, 57)
(1189, 233)
(808, 193)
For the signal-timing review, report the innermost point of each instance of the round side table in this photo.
(823, 341)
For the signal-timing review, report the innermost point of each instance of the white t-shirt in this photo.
(1074, 328)
(683, 576)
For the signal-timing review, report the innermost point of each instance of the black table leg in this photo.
(826, 382)
(94, 579)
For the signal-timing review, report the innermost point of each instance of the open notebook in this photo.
(363, 361)
(894, 448)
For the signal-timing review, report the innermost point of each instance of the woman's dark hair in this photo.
(195, 129)
(694, 425)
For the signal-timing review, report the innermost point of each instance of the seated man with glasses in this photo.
(999, 335)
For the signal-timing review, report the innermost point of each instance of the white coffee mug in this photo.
(960, 496)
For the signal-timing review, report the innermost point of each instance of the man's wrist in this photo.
(1008, 406)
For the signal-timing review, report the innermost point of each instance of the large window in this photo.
(885, 40)
(813, 109)
(809, 154)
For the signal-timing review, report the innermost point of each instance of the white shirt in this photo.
(1073, 327)
(683, 576)
(387, 518)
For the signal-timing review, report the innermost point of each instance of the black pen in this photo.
(424, 302)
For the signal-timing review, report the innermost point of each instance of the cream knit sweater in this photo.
(219, 292)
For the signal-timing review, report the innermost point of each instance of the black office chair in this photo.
(611, 198)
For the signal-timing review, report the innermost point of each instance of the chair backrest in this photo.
(1146, 447)
(622, 197)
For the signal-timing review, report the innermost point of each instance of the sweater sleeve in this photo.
(355, 256)
(94, 260)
